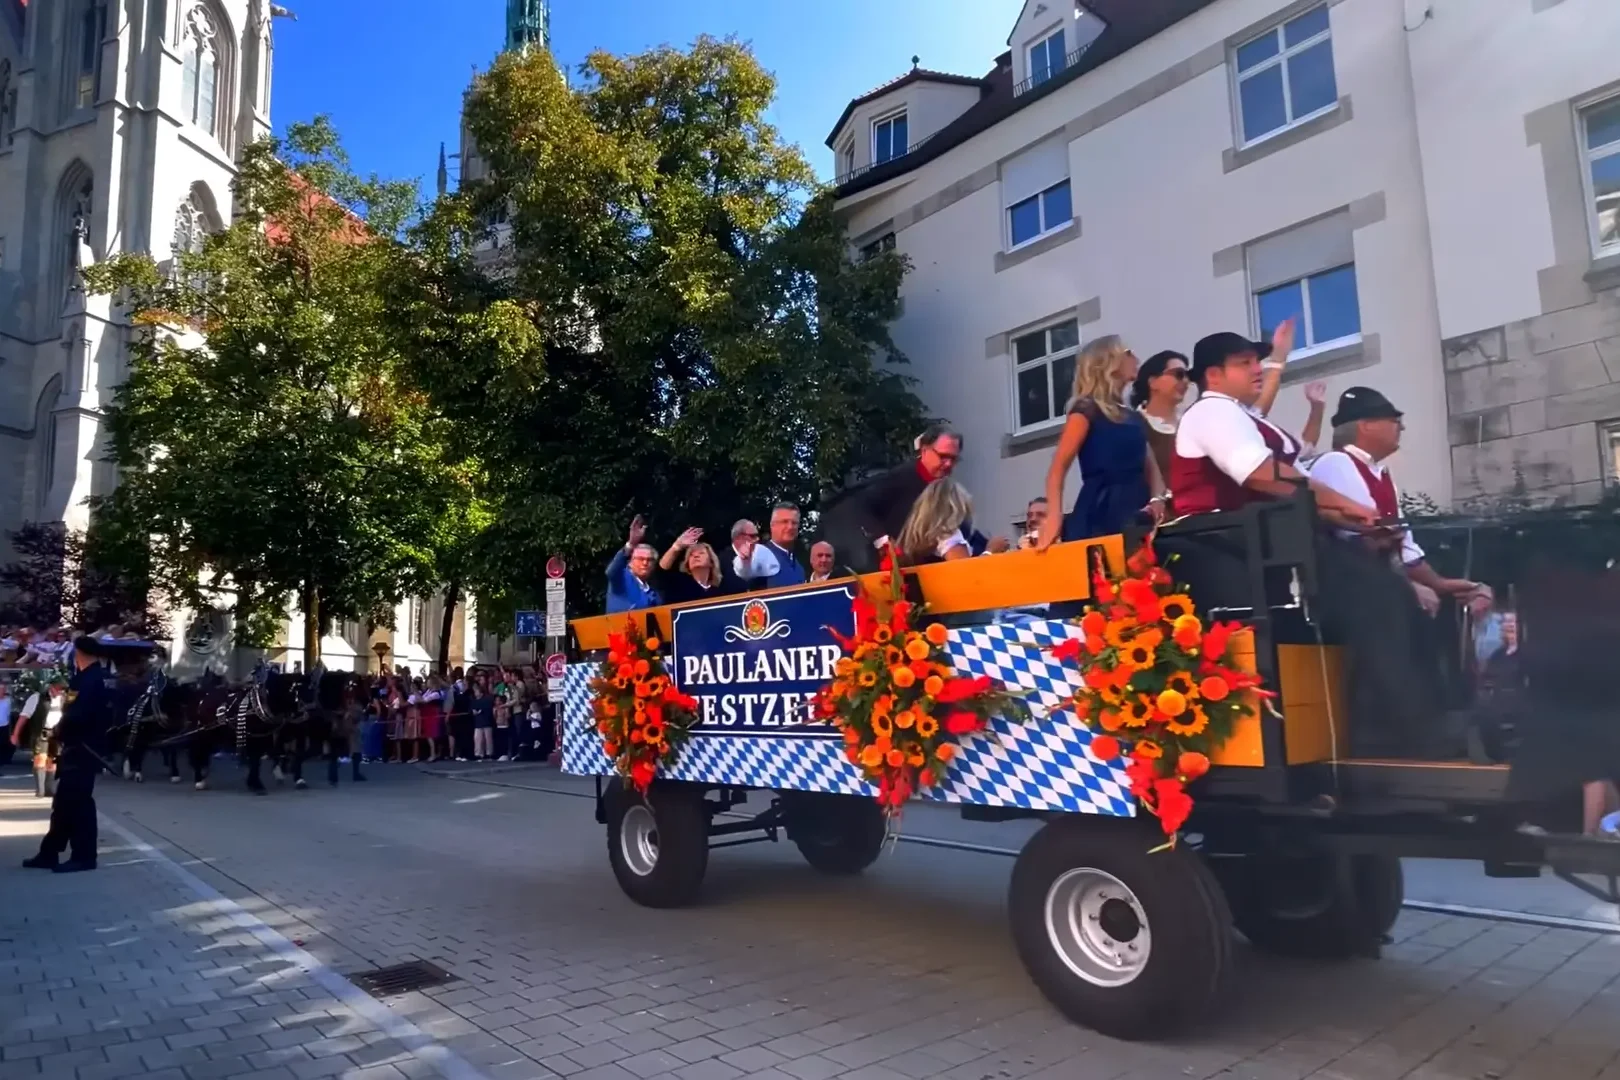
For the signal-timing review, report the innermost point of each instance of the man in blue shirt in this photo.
(629, 575)
(784, 535)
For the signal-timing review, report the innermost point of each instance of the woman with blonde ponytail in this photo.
(1119, 478)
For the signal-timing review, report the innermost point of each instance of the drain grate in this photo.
(401, 979)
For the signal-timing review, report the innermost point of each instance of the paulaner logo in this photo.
(756, 624)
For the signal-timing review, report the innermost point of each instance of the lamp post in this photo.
(381, 649)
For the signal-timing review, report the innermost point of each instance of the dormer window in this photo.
(889, 137)
(846, 157)
(1046, 57)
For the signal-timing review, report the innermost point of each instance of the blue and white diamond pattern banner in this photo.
(1042, 765)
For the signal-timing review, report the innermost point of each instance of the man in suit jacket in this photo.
(860, 520)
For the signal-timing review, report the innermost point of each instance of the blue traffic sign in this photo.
(531, 624)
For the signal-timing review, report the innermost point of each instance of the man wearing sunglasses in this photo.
(860, 521)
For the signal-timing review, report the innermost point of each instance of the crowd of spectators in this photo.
(30, 646)
(477, 714)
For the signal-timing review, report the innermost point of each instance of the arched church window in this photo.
(87, 71)
(200, 74)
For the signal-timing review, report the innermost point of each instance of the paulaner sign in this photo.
(755, 663)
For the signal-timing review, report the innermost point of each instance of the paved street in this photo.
(213, 941)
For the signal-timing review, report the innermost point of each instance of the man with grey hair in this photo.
(822, 559)
(629, 575)
(863, 520)
(751, 564)
(1366, 431)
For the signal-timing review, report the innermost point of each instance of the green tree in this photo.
(474, 348)
(710, 346)
(272, 439)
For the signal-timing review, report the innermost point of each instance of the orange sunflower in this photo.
(1138, 655)
(1175, 606)
(1191, 722)
(1138, 712)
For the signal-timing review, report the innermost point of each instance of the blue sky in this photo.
(391, 75)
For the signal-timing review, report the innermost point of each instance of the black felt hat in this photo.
(1216, 349)
(1364, 403)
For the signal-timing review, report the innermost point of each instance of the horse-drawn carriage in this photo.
(283, 717)
(1293, 840)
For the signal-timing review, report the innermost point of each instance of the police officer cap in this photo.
(87, 645)
(1364, 403)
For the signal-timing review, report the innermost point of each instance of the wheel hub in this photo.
(638, 840)
(1097, 926)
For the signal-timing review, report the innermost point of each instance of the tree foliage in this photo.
(271, 438)
(710, 346)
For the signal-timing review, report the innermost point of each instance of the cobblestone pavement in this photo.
(211, 943)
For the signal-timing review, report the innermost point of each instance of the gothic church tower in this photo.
(121, 122)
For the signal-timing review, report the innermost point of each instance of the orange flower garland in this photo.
(902, 709)
(642, 718)
(1159, 689)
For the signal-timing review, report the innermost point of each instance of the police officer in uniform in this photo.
(84, 720)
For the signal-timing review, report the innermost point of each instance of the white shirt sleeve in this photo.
(1337, 470)
(764, 564)
(1217, 428)
(954, 540)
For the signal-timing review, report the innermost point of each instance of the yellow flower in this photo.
(1118, 632)
(933, 685)
(1193, 722)
(1138, 655)
(1112, 694)
(937, 634)
(871, 757)
(927, 727)
(882, 635)
(1182, 683)
(867, 679)
(1175, 606)
(1138, 712)
(882, 726)
(904, 719)
(892, 656)
(903, 676)
(844, 668)
(917, 648)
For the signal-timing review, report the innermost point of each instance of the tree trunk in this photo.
(311, 604)
(452, 596)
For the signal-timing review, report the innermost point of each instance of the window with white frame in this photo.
(1043, 374)
(1035, 192)
(1046, 57)
(1285, 75)
(877, 247)
(1600, 142)
(1611, 450)
(1308, 274)
(1040, 214)
(888, 137)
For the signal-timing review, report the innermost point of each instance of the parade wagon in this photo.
(1292, 841)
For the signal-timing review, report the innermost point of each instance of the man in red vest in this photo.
(1227, 457)
(1366, 431)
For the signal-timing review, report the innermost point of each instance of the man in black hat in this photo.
(1366, 430)
(73, 809)
(1226, 454)
(1226, 457)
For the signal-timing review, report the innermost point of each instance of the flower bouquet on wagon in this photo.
(903, 710)
(1161, 690)
(642, 718)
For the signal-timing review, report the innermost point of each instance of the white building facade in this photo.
(1429, 187)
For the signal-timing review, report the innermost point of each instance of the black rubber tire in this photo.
(837, 834)
(681, 820)
(1185, 912)
(1346, 908)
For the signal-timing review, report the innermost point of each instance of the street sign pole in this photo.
(556, 637)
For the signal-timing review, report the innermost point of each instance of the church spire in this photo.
(444, 171)
(528, 23)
